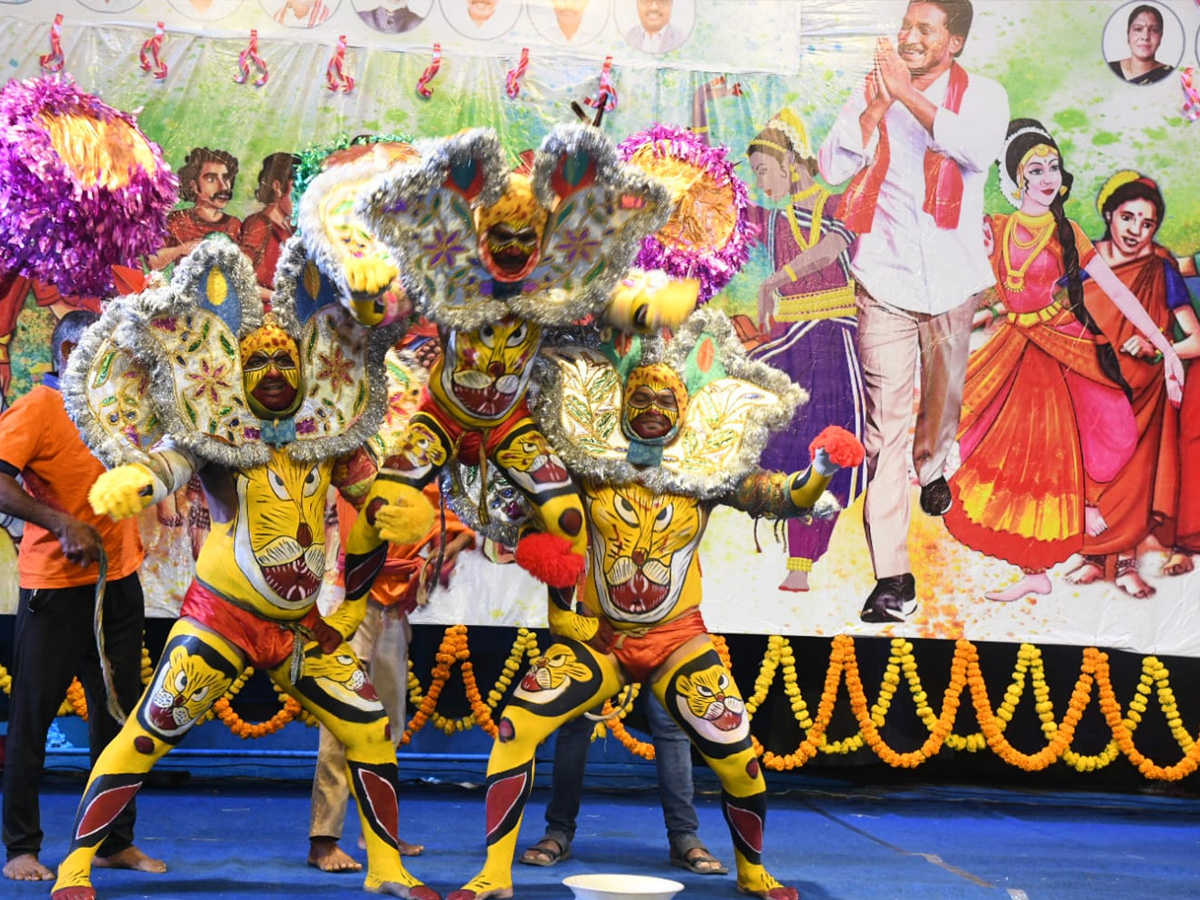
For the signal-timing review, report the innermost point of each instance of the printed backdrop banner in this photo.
(739, 66)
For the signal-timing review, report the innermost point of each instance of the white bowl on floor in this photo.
(622, 887)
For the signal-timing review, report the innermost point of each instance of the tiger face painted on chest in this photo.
(644, 544)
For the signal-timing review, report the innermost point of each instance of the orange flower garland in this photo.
(965, 674)
(246, 730)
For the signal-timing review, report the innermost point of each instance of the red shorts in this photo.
(265, 643)
(472, 436)
(641, 654)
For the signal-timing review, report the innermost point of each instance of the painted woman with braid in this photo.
(1046, 412)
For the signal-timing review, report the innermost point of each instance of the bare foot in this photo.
(27, 868)
(327, 856)
(131, 858)
(1086, 572)
(1037, 583)
(1180, 563)
(1130, 580)
(406, 849)
(795, 581)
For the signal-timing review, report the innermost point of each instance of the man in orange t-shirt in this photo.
(53, 641)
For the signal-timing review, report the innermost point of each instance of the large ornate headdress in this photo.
(477, 242)
(183, 361)
(84, 188)
(713, 439)
(334, 256)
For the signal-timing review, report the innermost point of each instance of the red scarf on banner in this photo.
(943, 178)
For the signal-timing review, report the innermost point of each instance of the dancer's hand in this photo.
(122, 492)
(1093, 521)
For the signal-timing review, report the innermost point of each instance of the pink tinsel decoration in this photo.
(713, 269)
(52, 226)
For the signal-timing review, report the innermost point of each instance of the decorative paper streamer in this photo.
(150, 60)
(707, 237)
(1191, 106)
(427, 76)
(608, 93)
(335, 73)
(250, 55)
(53, 61)
(84, 188)
(513, 80)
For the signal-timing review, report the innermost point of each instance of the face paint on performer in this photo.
(271, 372)
(655, 403)
(510, 231)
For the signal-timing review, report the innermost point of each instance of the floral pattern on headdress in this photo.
(430, 213)
(167, 363)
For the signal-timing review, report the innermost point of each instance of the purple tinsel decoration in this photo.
(714, 269)
(54, 228)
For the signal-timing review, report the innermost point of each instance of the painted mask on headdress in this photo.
(511, 230)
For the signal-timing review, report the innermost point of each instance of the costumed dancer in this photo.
(1046, 414)
(410, 573)
(1143, 497)
(658, 436)
(84, 191)
(493, 257)
(270, 411)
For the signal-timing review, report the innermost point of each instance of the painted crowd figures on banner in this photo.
(481, 20)
(300, 13)
(206, 10)
(656, 26)
(1143, 43)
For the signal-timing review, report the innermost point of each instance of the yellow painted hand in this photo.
(394, 512)
(369, 274)
(568, 623)
(645, 302)
(122, 492)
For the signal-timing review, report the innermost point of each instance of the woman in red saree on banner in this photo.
(1046, 413)
(1143, 497)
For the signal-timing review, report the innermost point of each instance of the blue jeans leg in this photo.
(673, 756)
(570, 761)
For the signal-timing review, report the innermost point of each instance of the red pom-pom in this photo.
(549, 559)
(844, 449)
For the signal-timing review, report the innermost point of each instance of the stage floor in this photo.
(832, 840)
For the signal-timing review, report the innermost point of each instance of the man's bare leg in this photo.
(131, 858)
(27, 868)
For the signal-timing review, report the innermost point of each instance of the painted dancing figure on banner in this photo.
(916, 143)
(658, 435)
(1046, 418)
(270, 411)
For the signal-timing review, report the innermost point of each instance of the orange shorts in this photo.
(641, 654)
(265, 643)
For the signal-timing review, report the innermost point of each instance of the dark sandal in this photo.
(544, 855)
(693, 863)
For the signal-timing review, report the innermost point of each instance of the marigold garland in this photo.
(871, 717)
